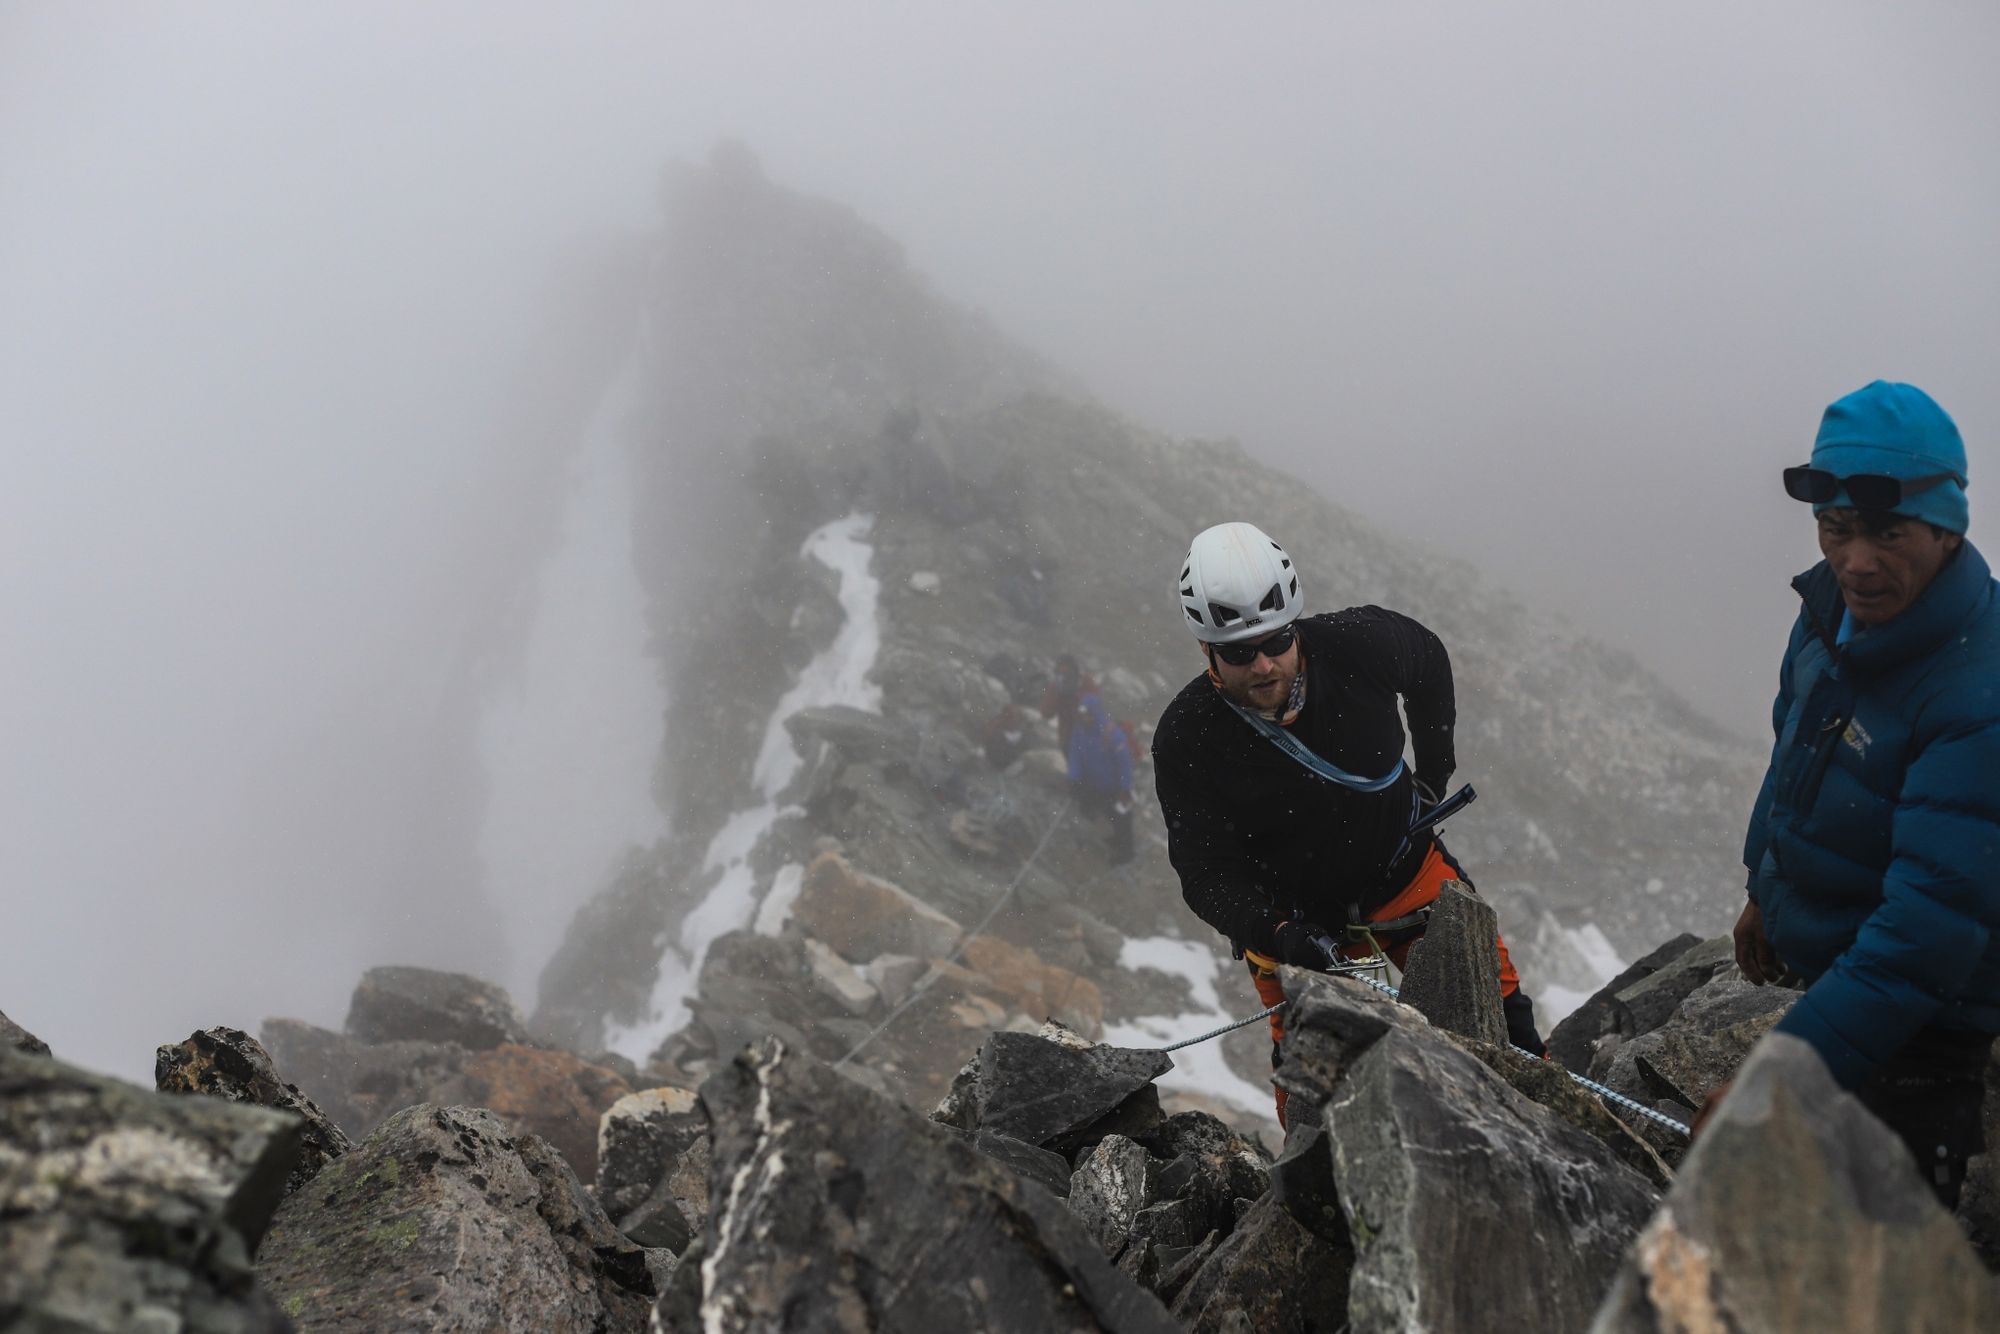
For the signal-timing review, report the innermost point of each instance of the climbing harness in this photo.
(1359, 974)
(958, 950)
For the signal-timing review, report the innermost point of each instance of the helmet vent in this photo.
(1194, 615)
(1185, 570)
(1295, 585)
(1223, 615)
(1186, 591)
(1272, 600)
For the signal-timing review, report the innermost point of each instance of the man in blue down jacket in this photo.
(1874, 849)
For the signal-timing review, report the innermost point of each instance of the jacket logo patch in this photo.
(1857, 737)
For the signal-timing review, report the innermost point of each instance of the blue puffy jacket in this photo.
(1099, 757)
(1874, 851)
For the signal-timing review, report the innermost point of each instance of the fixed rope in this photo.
(1359, 974)
(958, 950)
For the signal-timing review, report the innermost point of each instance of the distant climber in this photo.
(1100, 771)
(1280, 771)
(1063, 696)
(1874, 849)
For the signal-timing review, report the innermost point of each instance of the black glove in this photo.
(1304, 945)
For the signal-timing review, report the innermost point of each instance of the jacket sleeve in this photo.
(1412, 661)
(1217, 879)
(1757, 838)
(1940, 901)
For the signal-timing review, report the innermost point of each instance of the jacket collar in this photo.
(1955, 595)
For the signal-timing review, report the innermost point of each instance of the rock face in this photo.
(837, 1209)
(121, 1209)
(1798, 1211)
(860, 916)
(444, 1219)
(228, 1063)
(1575, 1039)
(20, 1039)
(1448, 1177)
(397, 1004)
(1451, 972)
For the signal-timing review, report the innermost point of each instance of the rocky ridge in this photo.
(918, 517)
(1431, 1180)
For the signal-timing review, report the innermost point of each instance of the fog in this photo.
(294, 302)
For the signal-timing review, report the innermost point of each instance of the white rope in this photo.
(1609, 1095)
(937, 969)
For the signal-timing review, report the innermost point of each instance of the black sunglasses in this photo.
(1868, 490)
(1242, 654)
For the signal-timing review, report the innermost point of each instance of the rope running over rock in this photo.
(958, 950)
(1609, 1095)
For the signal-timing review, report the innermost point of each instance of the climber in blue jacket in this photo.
(1874, 848)
(1100, 771)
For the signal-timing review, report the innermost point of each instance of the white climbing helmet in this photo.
(1237, 584)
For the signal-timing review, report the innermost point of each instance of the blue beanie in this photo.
(1899, 431)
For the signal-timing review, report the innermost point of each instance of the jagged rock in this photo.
(844, 1211)
(401, 1004)
(123, 1209)
(1549, 1084)
(840, 981)
(1447, 1176)
(1329, 1022)
(1271, 1276)
(1574, 1040)
(1019, 978)
(1701, 1044)
(1798, 1211)
(357, 1084)
(1112, 1183)
(445, 1219)
(959, 1108)
(894, 976)
(1235, 1167)
(20, 1039)
(1302, 1183)
(652, 1158)
(1041, 1092)
(861, 916)
(228, 1063)
(1051, 1171)
(1651, 1001)
(1451, 970)
(548, 1093)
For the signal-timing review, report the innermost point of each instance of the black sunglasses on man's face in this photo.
(1242, 654)
(1868, 490)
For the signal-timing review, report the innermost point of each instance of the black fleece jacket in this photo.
(1254, 835)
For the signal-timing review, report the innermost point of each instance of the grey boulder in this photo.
(652, 1166)
(1448, 1177)
(837, 1209)
(403, 1004)
(122, 1209)
(1053, 1093)
(1798, 1211)
(443, 1219)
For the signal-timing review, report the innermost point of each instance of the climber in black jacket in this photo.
(1287, 858)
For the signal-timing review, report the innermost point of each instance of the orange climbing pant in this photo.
(1419, 893)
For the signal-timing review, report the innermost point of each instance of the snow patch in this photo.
(838, 674)
(1555, 1004)
(778, 900)
(1201, 1068)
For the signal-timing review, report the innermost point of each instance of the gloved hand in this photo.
(1304, 945)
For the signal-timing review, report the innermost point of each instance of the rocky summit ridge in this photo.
(907, 518)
